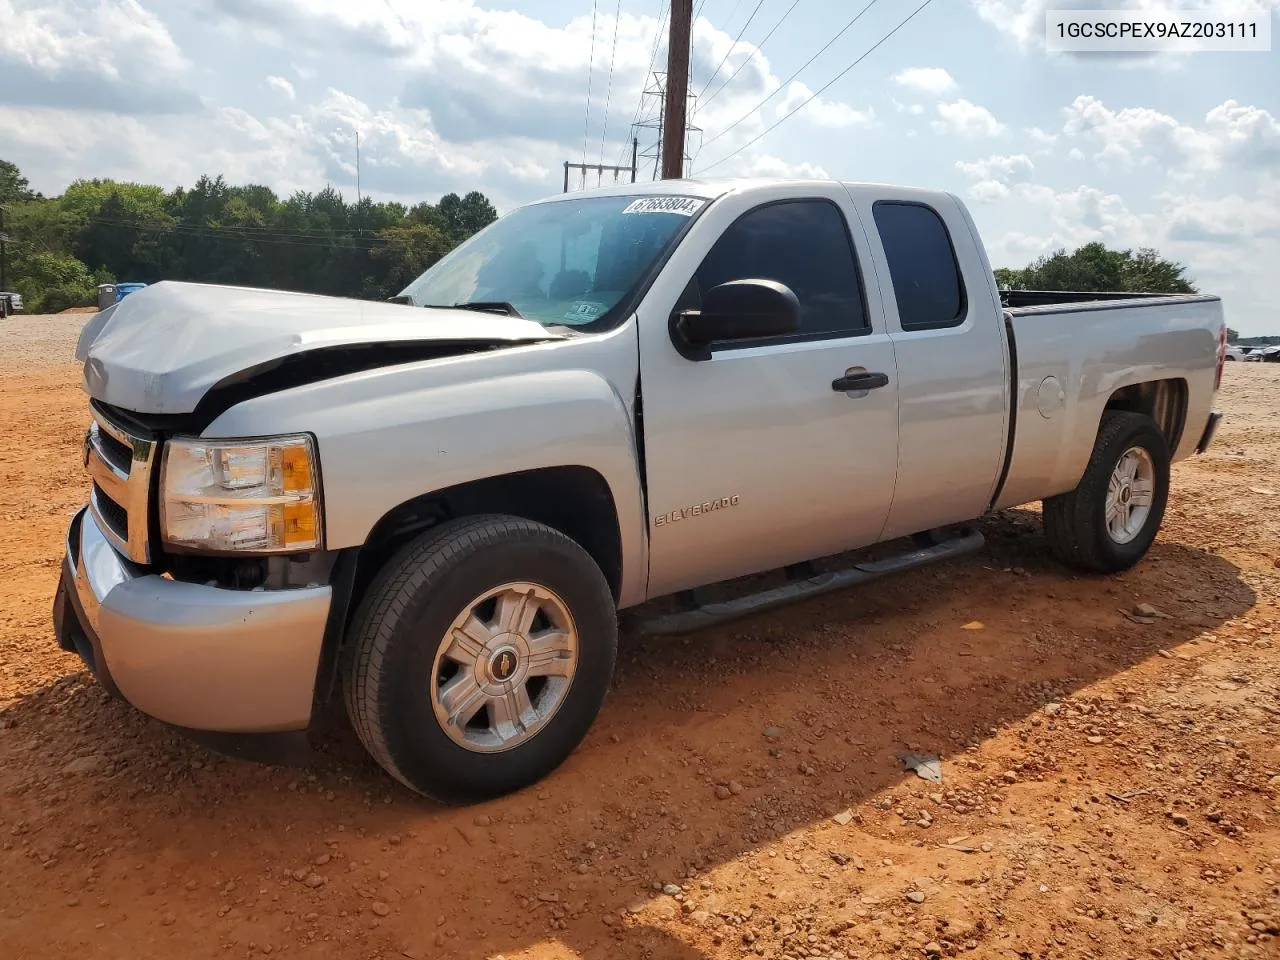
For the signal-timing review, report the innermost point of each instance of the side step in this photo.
(705, 615)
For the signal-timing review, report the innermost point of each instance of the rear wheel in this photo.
(1109, 521)
(480, 657)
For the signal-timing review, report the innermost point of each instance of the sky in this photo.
(1180, 152)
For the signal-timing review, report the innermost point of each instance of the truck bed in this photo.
(1074, 353)
(1014, 299)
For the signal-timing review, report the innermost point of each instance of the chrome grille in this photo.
(120, 464)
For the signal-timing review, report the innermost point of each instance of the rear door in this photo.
(948, 336)
(753, 459)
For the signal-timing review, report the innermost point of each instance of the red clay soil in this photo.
(1110, 788)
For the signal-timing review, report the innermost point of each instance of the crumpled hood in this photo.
(160, 350)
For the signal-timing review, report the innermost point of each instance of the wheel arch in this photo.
(1164, 401)
(574, 499)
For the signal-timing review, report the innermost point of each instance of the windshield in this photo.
(562, 263)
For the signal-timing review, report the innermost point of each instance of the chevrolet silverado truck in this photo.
(438, 505)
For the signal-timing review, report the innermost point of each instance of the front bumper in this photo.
(195, 656)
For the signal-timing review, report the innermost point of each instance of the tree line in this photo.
(104, 231)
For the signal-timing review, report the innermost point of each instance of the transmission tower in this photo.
(648, 129)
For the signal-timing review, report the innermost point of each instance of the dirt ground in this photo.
(1110, 788)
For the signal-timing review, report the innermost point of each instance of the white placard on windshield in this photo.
(682, 206)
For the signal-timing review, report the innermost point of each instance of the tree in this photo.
(409, 250)
(213, 232)
(1232, 335)
(1095, 268)
(466, 215)
(14, 187)
(51, 282)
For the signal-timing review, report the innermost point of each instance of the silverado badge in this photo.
(697, 510)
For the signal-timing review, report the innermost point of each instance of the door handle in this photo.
(859, 381)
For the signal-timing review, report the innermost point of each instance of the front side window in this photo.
(803, 244)
(561, 263)
(922, 265)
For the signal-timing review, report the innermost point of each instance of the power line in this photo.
(349, 233)
(238, 233)
(759, 46)
(664, 8)
(591, 66)
(822, 89)
(604, 129)
(729, 18)
(759, 4)
(782, 86)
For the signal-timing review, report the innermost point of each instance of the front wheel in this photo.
(480, 657)
(1109, 521)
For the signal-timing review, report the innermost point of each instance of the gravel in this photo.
(39, 339)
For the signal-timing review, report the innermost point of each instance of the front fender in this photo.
(379, 449)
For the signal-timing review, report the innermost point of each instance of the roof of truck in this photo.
(710, 188)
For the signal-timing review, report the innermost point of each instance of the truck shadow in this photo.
(934, 662)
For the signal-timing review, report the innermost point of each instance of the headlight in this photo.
(250, 496)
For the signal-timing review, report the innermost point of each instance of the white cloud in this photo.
(90, 54)
(1233, 134)
(927, 80)
(1075, 154)
(770, 166)
(823, 113)
(1007, 169)
(1228, 243)
(1042, 137)
(995, 174)
(912, 109)
(1227, 219)
(1021, 20)
(988, 191)
(282, 86)
(50, 144)
(966, 119)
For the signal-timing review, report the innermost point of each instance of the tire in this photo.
(1076, 523)
(400, 682)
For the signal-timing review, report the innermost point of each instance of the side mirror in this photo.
(740, 310)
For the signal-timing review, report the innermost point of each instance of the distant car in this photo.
(10, 303)
(1233, 352)
(1269, 354)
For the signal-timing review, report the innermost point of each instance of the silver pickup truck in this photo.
(438, 505)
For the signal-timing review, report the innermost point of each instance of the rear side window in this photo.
(922, 265)
(803, 244)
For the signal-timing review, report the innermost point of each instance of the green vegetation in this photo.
(100, 231)
(1095, 268)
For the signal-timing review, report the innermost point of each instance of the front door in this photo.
(755, 458)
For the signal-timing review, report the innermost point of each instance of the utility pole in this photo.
(358, 198)
(676, 104)
(4, 254)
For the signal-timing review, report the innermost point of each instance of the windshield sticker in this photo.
(682, 206)
(584, 311)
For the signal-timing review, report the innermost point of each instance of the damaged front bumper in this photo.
(191, 655)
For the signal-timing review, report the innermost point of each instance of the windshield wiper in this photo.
(484, 306)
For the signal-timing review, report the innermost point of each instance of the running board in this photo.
(708, 614)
